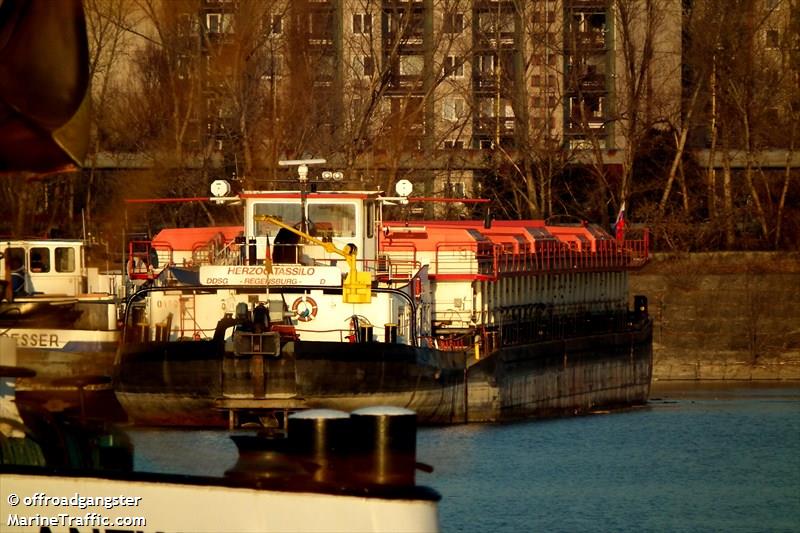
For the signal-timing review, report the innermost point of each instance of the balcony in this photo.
(489, 85)
(594, 126)
(586, 82)
(489, 125)
(594, 40)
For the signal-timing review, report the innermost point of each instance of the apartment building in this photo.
(436, 91)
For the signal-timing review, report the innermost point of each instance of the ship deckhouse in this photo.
(339, 218)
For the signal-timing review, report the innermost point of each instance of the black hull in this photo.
(183, 382)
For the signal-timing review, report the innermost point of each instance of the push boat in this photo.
(321, 303)
(63, 316)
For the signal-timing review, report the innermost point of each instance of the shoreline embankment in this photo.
(732, 316)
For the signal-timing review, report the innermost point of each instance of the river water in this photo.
(695, 459)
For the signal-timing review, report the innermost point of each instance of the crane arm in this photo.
(349, 253)
(357, 284)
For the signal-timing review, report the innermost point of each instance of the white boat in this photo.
(63, 316)
(322, 303)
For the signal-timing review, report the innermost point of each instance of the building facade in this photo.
(436, 91)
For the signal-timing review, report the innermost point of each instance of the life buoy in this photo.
(304, 308)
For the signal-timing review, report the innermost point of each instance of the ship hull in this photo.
(68, 363)
(194, 384)
(70, 343)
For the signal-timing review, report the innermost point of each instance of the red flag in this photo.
(619, 225)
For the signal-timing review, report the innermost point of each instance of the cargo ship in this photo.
(321, 303)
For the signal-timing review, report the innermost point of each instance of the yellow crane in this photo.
(357, 288)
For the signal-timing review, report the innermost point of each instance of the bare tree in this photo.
(648, 61)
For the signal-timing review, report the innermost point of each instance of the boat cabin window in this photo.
(39, 259)
(65, 259)
(326, 220)
(286, 213)
(370, 219)
(333, 220)
(15, 258)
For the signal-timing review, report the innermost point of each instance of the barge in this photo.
(321, 303)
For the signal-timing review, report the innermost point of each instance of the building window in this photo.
(218, 23)
(362, 23)
(491, 23)
(274, 25)
(273, 66)
(411, 65)
(453, 108)
(455, 189)
(773, 39)
(486, 64)
(487, 107)
(453, 23)
(320, 25)
(367, 64)
(183, 66)
(486, 144)
(453, 67)
(452, 144)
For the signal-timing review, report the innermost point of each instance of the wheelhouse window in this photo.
(65, 259)
(333, 220)
(284, 212)
(15, 257)
(39, 259)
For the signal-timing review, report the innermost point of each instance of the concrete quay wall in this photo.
(723, 316)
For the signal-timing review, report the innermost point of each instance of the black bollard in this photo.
(365, 333)
(385, 445)
(320, 436)
(390, 333)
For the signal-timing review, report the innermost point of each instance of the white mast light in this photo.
(220, 188)
(403, 188)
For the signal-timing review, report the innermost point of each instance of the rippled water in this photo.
(700, 459)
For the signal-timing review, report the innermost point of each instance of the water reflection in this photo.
(709, 458)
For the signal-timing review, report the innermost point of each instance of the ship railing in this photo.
(388, 269)
(229, 254)
(398, 261)
(163, 253)
(208, 252)
(555, 257)
(458, 257)
(146, 259)
(450, 343)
